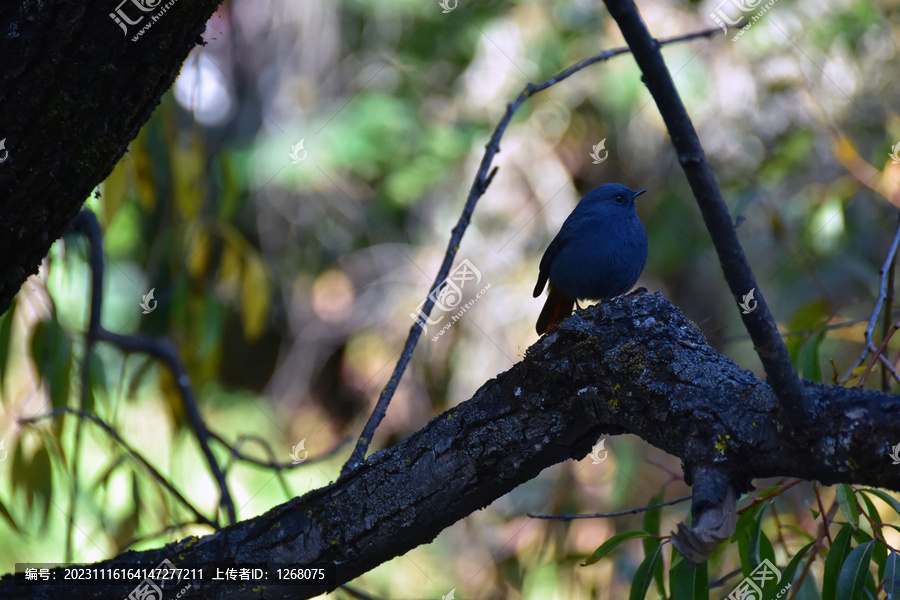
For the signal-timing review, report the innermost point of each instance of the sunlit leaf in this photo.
(115, 189)
(96, 382)
(885, 497)
(7, 516)
(199, 251)
(256, 294)
(847, 501)
(143, 170)
(189, 177)
(6, 320)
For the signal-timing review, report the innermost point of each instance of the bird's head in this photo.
(611, 197)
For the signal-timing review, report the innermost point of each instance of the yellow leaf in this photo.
(115, 189)
(143, 171)
(189, 177)
(199, 249)
(230, 271)
(256, 294)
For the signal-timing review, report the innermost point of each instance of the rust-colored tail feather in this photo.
(558, 306)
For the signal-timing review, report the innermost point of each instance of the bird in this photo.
(599, 253)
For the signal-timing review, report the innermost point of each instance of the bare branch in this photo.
(759, 322)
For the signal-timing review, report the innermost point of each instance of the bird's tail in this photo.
(558, 306)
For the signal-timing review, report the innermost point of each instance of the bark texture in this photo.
(634, 364)
(75, 90)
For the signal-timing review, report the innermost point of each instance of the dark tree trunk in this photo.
(75, 91)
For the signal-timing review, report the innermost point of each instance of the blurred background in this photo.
(291, 199)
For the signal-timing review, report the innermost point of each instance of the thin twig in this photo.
(356, 593)
(736, 269)
(631, 511)
(869, 345)
(85, 223)
(109, 429)
(274, 464)
(879, 354)
(888, 303)
(479, 186)
(822, 514)
(163, 350)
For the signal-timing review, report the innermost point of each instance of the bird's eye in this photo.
(620, 198)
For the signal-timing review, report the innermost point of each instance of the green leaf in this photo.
(833, 562)
(610, 544)
(847, 501)
(40, 476)
(96, 382)
(51, 351)
(870, 508)
(4, 512)
(6, 320)
(651, 525)
(879, 557)
(687, 581)
(787, 575)
(887, 498)
(644, 575)
(808, 358)
(760, 547)
(891, 580)
(852, 580)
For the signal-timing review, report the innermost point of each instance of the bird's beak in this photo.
(638, 193)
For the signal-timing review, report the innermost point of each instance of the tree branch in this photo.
(633, 364)
(75, 91)
(759, 323)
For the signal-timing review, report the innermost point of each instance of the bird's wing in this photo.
(549, 254)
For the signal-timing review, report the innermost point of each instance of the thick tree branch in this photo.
(759, 322)
(74, 90)
(634, 364)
